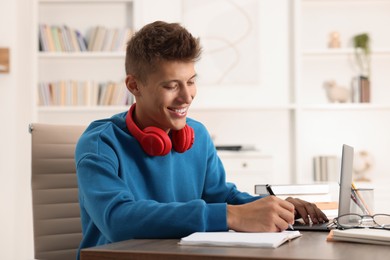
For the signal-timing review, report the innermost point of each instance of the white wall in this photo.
(7, 165)
(15, 107)
(16, 17)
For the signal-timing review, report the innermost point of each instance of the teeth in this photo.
(181, 111)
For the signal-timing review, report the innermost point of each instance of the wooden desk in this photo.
(312, 245)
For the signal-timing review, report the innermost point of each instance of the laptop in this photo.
(344, 192)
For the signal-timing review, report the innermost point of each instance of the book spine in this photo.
(98, 41)
(364, 89)
(316, 168)
(361, 89)
(56, 39)
(50, 40)
(73, 39)
(67, 39)
(81, 41)
(43, 42)
(107, 40)
(114, 39)
(91, 38)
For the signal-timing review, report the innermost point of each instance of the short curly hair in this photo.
(156, 42)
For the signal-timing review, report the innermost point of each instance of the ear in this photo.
(132, 85)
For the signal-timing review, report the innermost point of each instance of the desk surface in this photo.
(311, 245)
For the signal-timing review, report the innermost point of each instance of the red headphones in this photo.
(155, 141)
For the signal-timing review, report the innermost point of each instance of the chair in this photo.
(56, 212)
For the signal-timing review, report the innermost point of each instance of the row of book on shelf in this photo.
(326, 168)
(62, 38)
(83, 93)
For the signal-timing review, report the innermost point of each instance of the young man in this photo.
(152, 172)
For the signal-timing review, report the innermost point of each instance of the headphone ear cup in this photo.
(183, 139)
(155, 141)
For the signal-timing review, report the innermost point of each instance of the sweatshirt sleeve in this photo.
(110, 204)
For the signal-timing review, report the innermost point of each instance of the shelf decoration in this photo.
(363, 166)
(4, 60)
(334, 40)
(336, 93)
(361, 43)
(361, 83)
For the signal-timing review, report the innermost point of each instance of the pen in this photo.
(271, 192)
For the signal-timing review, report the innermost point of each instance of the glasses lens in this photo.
(382, 220)
(349, 221)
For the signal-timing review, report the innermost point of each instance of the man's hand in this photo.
(304, 209)
(269, 214)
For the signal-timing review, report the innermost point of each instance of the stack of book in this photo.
(87, 93)
(316, 192)
(361, 235)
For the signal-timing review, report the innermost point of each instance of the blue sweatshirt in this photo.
(125, 193)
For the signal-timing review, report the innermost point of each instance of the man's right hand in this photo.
(269, 214)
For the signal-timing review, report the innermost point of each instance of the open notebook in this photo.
(242, 239)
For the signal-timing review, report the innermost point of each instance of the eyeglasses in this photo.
(380, 221)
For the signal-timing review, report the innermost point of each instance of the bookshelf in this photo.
(68, 78)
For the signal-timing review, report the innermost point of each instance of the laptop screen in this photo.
(345, 179)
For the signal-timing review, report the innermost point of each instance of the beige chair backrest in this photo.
(56, 212)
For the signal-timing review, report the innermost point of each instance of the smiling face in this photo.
(164, 98)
